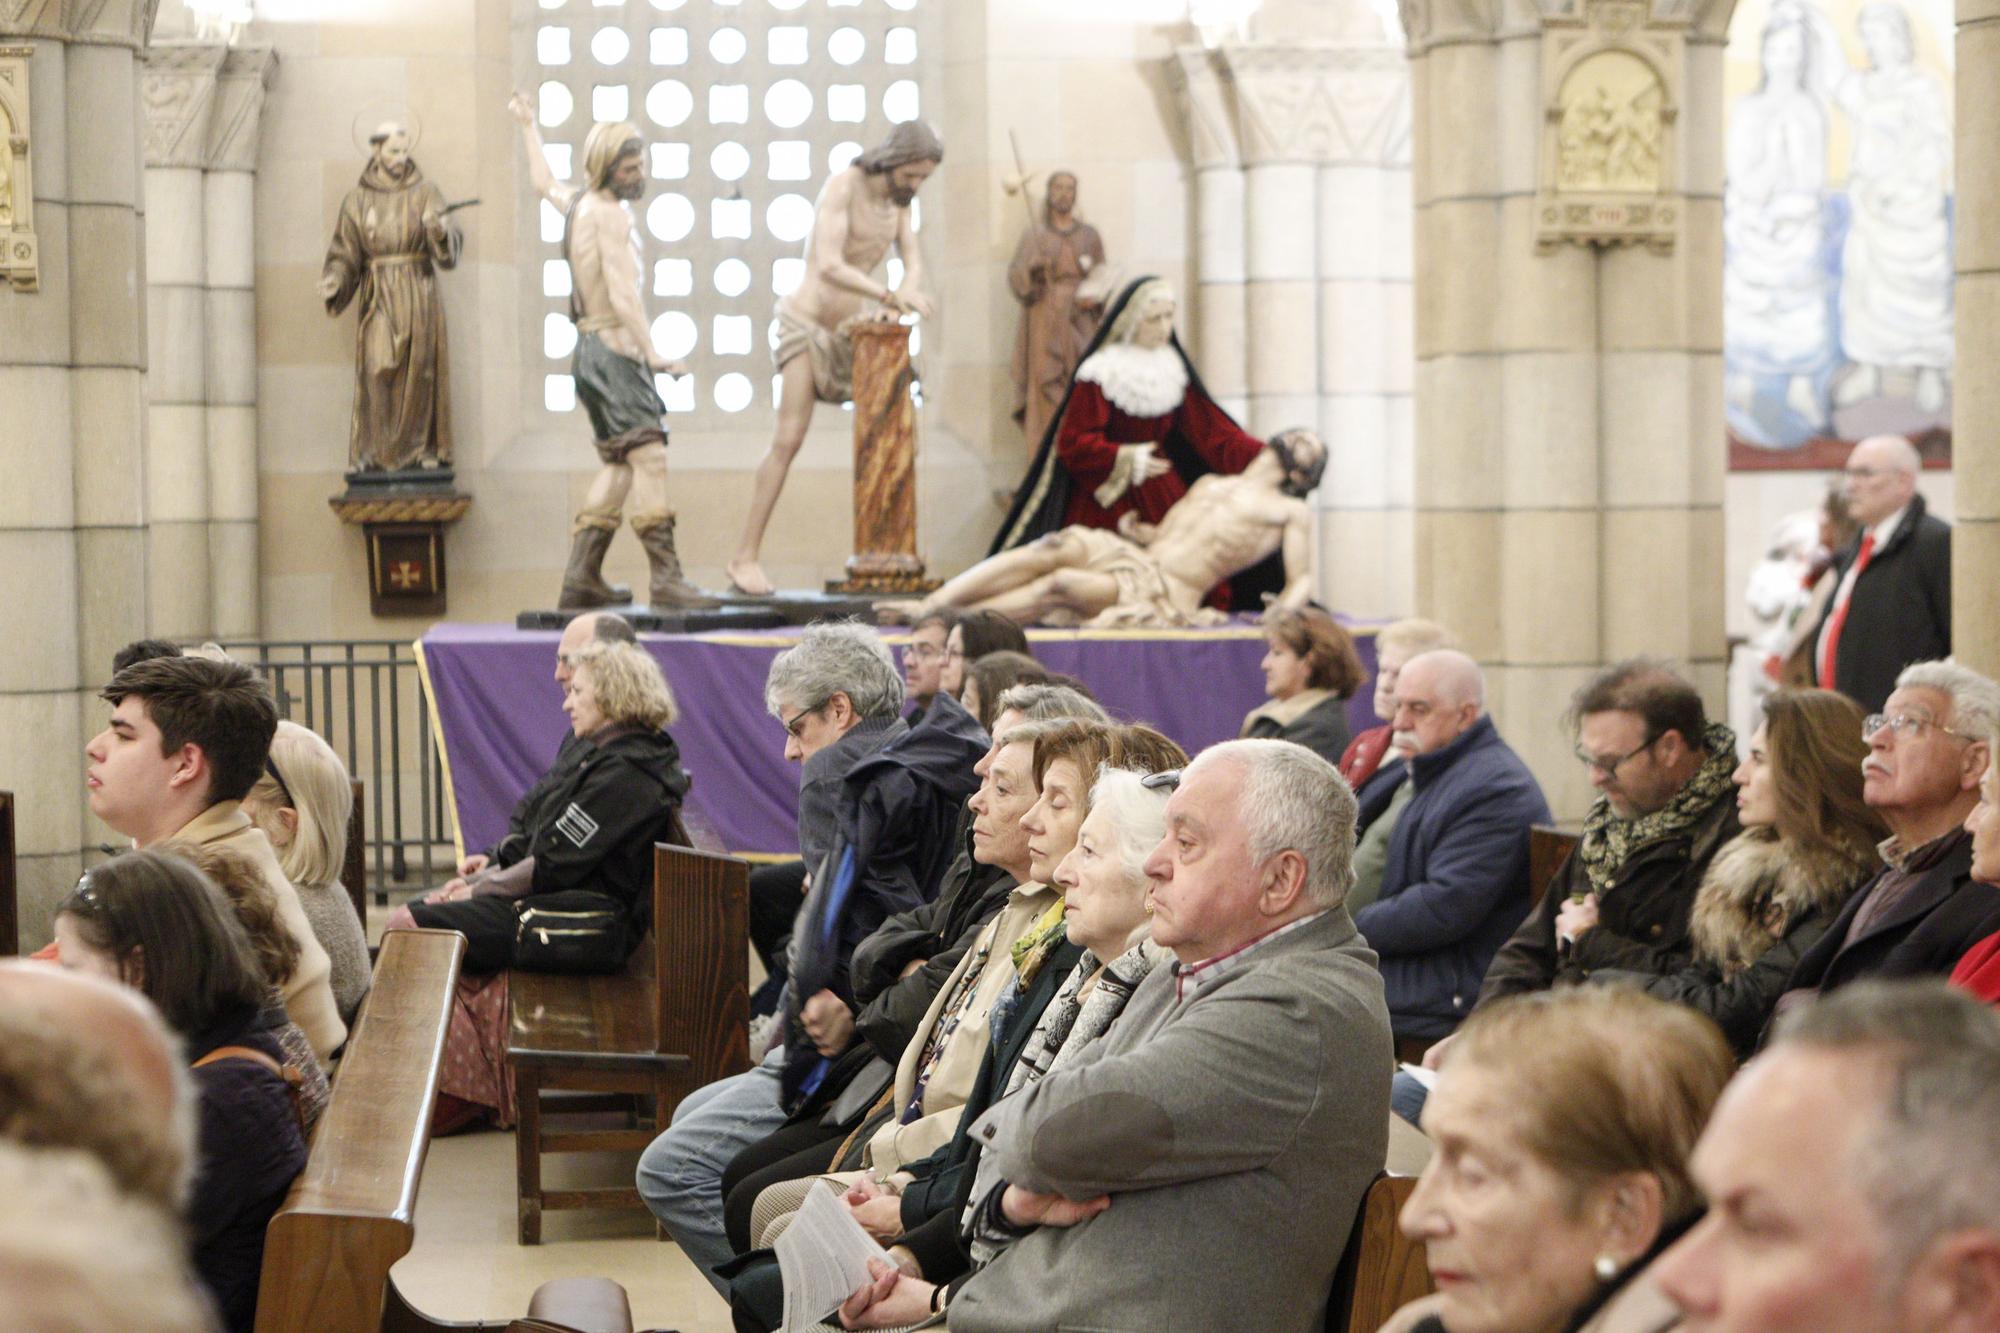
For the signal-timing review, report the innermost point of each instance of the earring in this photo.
(1606, 1267)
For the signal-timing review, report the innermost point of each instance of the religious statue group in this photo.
(1144, 504)
(1815, 320)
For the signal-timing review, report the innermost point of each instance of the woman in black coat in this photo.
(157, 924)
(589, 830)
(1310, 672)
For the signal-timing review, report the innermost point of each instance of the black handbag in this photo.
(573, 931)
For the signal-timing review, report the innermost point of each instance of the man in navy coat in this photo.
(1456, 882)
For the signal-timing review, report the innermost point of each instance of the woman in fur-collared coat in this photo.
(1808, 841)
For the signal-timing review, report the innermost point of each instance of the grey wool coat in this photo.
(1235, 1133)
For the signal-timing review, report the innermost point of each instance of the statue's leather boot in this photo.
(670, 589)
(583, 586)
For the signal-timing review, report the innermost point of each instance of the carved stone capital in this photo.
(177, 96)
(235, 128)
(1322, 104)
(97, 22)
(1201, 83)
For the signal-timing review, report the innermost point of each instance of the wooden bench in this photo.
(676, 1020)
(1548, 848)
(351, 1214)
(354, 860)
(1381, 1270)
(10, 887)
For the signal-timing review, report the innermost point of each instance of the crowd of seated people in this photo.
(1089, 1032)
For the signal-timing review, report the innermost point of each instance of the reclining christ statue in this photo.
(1154, 575)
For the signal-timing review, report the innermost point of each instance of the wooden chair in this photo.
(676, 1020)
(354, 861)
(1548, 848)
(1381, 1270)
(10, 888)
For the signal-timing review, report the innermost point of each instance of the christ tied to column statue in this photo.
(614, 364)
(862, 212)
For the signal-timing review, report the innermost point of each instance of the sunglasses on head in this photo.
(1169, 780)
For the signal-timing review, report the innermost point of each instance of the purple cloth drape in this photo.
(500, 715)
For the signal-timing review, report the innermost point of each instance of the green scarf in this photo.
(1609, 840)
(1038, 942)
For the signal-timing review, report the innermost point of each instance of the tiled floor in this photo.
(466, 1264)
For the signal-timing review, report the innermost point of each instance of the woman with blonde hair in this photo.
(1310, 672)
(1562, 1123)
(304, 803)
(576, 895)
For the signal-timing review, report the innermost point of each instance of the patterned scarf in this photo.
(1609, 840)
(1070, 1024)
(1037, 943)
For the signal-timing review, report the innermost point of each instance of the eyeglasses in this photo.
(284, 789)
(1609, 767)
(1906, 727)
(83, 896)
(1168, 780)
(792, 727)
(1865, 473)
(922, 652)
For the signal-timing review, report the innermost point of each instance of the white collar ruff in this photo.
(1139, 381)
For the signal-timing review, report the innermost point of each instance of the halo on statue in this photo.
(384, 111)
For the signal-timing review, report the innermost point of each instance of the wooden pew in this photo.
(351, 1214)
(676, 1020)
(354, 861)
(1548, 848)
(1381, 1270)
(10, 888)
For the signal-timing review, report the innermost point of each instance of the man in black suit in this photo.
(1927, 752)
(1892, 605)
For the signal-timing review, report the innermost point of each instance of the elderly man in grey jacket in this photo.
(1200, 1166)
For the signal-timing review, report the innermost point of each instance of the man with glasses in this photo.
(1665, 806)
(1927, 751)
(1892, 605)
(923, 657)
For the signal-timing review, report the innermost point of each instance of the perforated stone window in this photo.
(746, 105)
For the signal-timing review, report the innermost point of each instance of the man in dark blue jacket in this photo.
(1456, 882)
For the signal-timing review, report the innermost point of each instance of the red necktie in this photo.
(1839, 618)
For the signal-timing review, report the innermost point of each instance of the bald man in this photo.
(90, 1065)
(1892, 606)
(1455, 884)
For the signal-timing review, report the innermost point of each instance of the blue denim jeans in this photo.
(1407, 1097)
(680, 1175)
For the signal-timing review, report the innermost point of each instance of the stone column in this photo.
(1217, 314)
(180, 101)
(1975, 542)
(1568, 458)
(229, 214)
(72, 359)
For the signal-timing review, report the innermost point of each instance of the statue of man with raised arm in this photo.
(614, 364)
(862, 211)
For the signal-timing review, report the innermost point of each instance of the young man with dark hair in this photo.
(187, 739)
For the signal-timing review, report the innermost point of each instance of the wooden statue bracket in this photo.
(403, 516)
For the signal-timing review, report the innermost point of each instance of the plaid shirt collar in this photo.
(1191, 979)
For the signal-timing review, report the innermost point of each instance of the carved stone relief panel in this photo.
(20, 254)
(1611, 96)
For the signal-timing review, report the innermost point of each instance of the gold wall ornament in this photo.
(1611, 76)
(20, 253)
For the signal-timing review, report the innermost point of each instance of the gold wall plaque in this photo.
(1611, 81)
(20, 254)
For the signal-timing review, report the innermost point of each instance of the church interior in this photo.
(370, 343)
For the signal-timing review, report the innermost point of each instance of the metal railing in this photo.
(366, 698)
